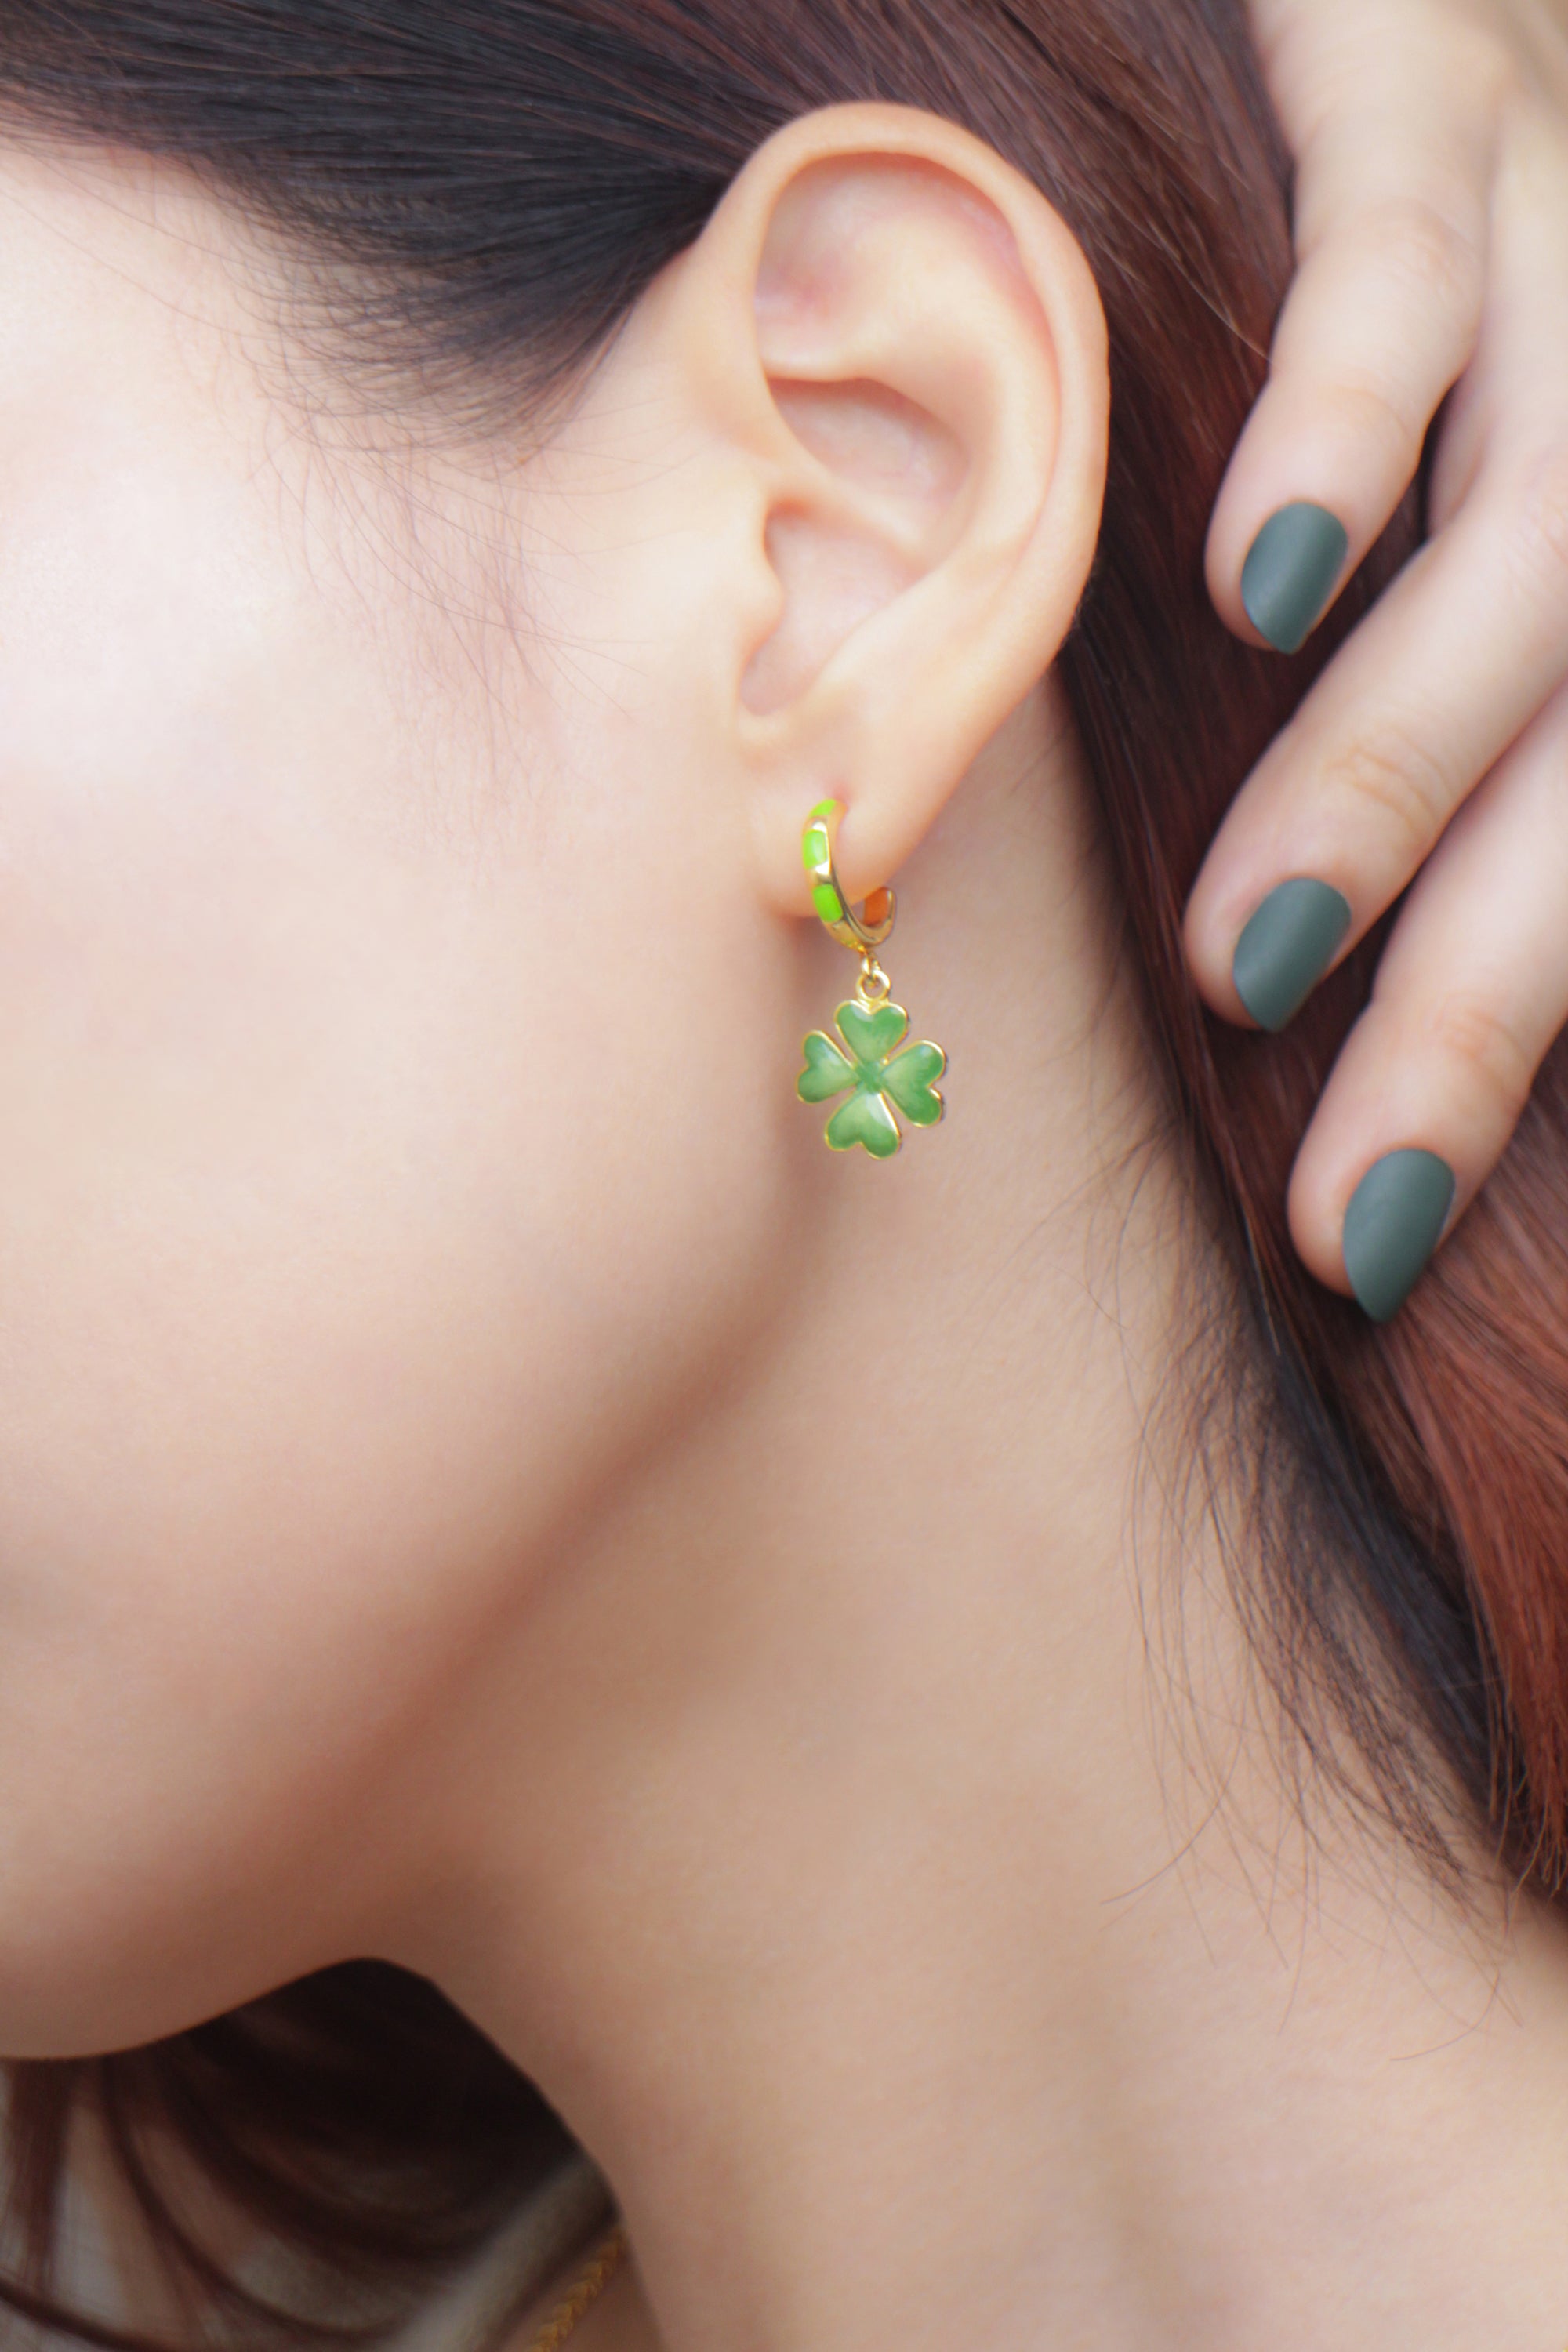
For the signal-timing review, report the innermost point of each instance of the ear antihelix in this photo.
(867, 1060)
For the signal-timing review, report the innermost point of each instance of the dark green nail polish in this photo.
(1395, 1217)
(1290, 571)
(1286, 946)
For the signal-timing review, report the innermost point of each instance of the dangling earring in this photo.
(871, 1025)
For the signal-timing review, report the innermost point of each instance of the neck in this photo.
(900, 1903)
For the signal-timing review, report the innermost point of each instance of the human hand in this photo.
(1431, 139)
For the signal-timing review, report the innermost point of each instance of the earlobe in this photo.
(906, 342)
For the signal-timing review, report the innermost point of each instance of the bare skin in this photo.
(487, 1489)
(908, 1987)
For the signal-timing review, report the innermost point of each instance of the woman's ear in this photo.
(902, 343)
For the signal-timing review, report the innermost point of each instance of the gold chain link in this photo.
(583, 2294)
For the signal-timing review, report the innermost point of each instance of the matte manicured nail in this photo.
(1286, 947)
(1290, 571)
(1395, 1216)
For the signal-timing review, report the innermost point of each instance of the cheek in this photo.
(363, 1204)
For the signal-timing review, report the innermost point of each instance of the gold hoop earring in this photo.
(868, 1060)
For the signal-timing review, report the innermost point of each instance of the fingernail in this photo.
(1290, 571)
(1395, 1217)
(1286, 946)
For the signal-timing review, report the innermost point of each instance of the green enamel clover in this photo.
(877, 1072)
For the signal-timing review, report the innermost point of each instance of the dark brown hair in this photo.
(493, 182)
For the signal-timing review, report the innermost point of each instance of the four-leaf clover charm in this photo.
(869, 1061)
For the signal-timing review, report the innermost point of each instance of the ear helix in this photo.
(868, 1060)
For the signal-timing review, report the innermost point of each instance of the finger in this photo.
(1392, 230)
(1454, 661)
(1457, 658)
(1470, 993)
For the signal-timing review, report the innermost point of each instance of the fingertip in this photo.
(1393, 1223)
(1370, 1232)
(1292, 570)
(1285, 947)
(1315, 1220)
(1210, 958)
